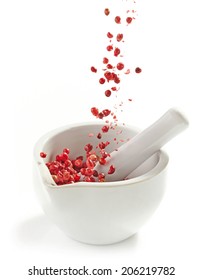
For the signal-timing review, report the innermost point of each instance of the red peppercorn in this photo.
(105, 128)
(76, 177)
(114, 76)
(129, 20)
(60, 177)
(93, 69)
(101, 81)
(111, 169)
(108, 93)
(105, 60)
(92, 179)
(109, 66)
(43, 155)
(120, 66)
(53, 168)
(101, 177)
(109, 48)
(117, 51)
(92, 157)
(106, 112)
(108, 75)
(117, 80)
(82, 171)
(119, 37)
(109, 35)
(68, 163)
(95, 173)
(65, 157)
(89, 179)
(114, 88)
(99, 136)
(138, 70)
(102, 161)
(67, 151)
(94, 111)
(101, 115)
(59, 158)
(88, 148)
(104, 154)
(80, 157)
(71, 179)
(107, 143)
(106, 11)
(102, 145)
(90, 164)
(89, 172)
(48, 164)
(118, 19)
(66, 175)
(78, 163)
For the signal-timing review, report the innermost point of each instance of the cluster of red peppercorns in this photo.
(65, 170)
(112, 76)
(104, 113)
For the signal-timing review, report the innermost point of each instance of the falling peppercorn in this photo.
(138, 70)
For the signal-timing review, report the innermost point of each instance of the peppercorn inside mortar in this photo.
(67, 170)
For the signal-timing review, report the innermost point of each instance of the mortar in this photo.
(98, 213)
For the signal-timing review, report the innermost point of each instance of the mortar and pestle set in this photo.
(108, 212)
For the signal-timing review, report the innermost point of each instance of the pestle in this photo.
(139, 148)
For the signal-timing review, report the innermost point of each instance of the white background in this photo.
(46, 50)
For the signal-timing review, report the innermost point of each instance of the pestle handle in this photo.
(139, 148)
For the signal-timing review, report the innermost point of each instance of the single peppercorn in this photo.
(120, 66)
(101, 81)
(109, 66)
(105, 128)
(111, 169)
(129, 20)
(105, 60)
(99, 135)
(43, 155)
(106, 11)
(94, 111)
(108, 75)
(93, 69)
(113, 88)
(119, 37)
(109, 35)
(117, 51)
(118, 19)
(108, 93)
(106, 112)
(138, 70)
(88, 148)
(109, 48)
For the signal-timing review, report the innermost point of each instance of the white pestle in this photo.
(139, 148)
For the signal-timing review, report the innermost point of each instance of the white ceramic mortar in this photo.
(98, 213)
